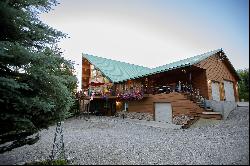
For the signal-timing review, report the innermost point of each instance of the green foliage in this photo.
(48, 162)
(36, 82)
(74, 111)
(244, 84)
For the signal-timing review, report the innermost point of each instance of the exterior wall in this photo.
(199, 81)
(91, 77)
(85, 73)
(218, 71)
(128, 86)
(180, 105)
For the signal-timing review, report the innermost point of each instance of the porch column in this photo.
(190, 81)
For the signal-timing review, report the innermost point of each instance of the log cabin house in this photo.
(164, 92)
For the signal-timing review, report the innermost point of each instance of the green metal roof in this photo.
(114, 70)
(184, 62)
(118, 71)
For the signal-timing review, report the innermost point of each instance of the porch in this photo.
(187, 79)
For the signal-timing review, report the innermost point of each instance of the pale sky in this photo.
(152, 32)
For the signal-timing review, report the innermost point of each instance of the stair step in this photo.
(211, 113)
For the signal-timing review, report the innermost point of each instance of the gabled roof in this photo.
(118, 71)
(184, 62)
(114, 70)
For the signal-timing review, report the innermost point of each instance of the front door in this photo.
(215, 91)
(229, 91)
(163, 112)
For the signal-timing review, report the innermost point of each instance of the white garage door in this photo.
(163, 112)
(229, 91)
(216, 91)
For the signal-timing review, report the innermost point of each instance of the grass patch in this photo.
(205, 122)
(48, 162)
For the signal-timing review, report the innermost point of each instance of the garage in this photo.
(229, 91)
(216, 91)
(163, 112)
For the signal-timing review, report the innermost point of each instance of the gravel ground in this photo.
(106, 140)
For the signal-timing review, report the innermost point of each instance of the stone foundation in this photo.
(181, 119)
(135, 115)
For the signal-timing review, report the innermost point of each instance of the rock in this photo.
(181, 119)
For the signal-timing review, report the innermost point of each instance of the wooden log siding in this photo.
(122, 87)
(85, 73)
(180, 105)
(218, 71)
(199, 81)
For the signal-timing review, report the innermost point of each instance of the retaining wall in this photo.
(224, 107)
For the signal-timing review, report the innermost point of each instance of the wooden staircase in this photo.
(206, 113)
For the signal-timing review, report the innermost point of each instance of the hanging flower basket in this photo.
(130, 96)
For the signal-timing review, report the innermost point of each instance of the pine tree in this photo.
(36, 82)
(244, 84)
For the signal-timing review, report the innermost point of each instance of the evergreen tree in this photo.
(36, 82)
(244, 84)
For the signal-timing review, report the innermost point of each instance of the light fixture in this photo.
(117, 103)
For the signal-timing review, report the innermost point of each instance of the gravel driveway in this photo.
(107, 140)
